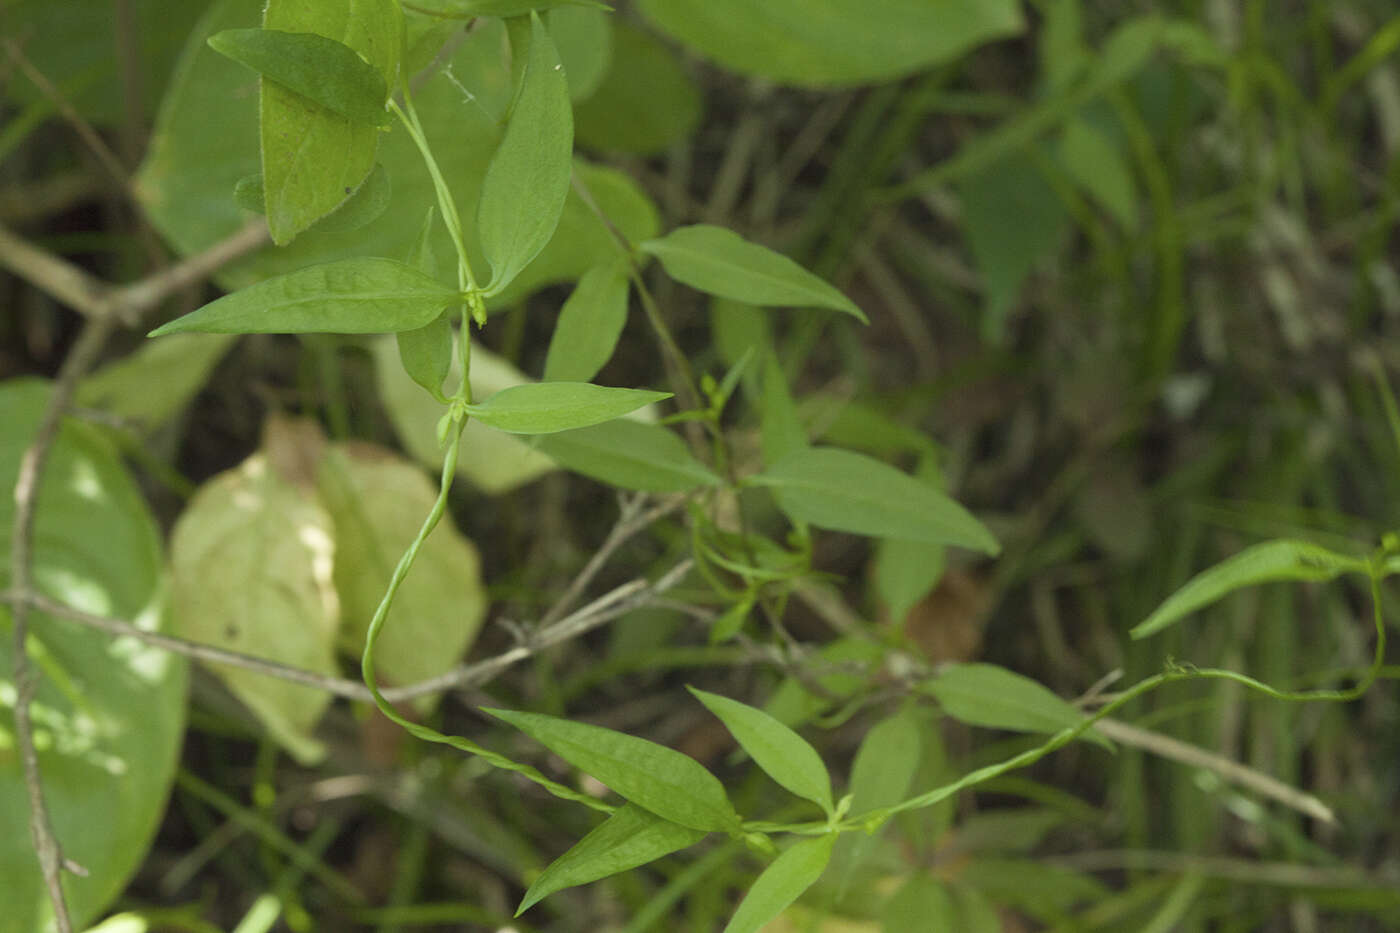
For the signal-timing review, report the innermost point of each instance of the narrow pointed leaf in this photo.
(629, 454)
(352, 296)
(781, 430)
(720, 262)
(426, 354)
(1268, 562)
(846, 491)
(671, 785)
(632, 836)
(589, 325)
(993, 697)
(781, 883)
(527, 181)
(545, 407)
(317, 67)
(784, 755)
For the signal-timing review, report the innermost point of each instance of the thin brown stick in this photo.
(95, 299)
(31, 469)
(609, 606)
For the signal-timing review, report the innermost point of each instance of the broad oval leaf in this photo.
(317, 67)
(993, 697)
(352, 296)
(252, 558)
(589, 325)
(671, 785)
(846, 491)
(1268, 562)
(629, 454)
(632, 836)
(109, 714)
(376, 502)
(720, 262)
(522, 196)
(834, 42)
(313, 158)
(426, 354)
(546, 407)
(784, 755)
(781, 883)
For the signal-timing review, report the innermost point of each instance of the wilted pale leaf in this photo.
(377, 502)
(252, 559)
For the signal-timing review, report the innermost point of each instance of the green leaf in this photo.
(903, 571)
(1268, 562)
(783, 754)
(781, 430)
(426, 354)
(467, 9)
(647, 101)
(546, 407)
(352, 296)
(922, 902)
(522, 196)
(1012, 219)
(313, 158)
(361, 209)
(206, 139)
(991, 696)
(109, 714)
(317, 67)
(583, 34)
(632, 836)
(492, 461)
(179, 365)
(781, 883)
(731, 621)
(834, 42)
(631, 455)
(846, 491)
(887, 761)
(376, 502)
(589, 325)
(720, 262)
(1100, 170)
(252, 558)
(671, 785)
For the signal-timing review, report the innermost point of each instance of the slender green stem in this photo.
(376, 625)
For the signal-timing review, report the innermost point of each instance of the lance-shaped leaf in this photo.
(781, 883)
(317, 67)
(545, 407)
(629, 454)
(719, 261)
(1268, 562)
(846, 491)
(993, 697)
(671, 785)
(313, 158)
(589, 325)
(632, 836)
(783, 754)
(527, 181)
(352, 296)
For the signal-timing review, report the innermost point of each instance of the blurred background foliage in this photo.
(1131, 271)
